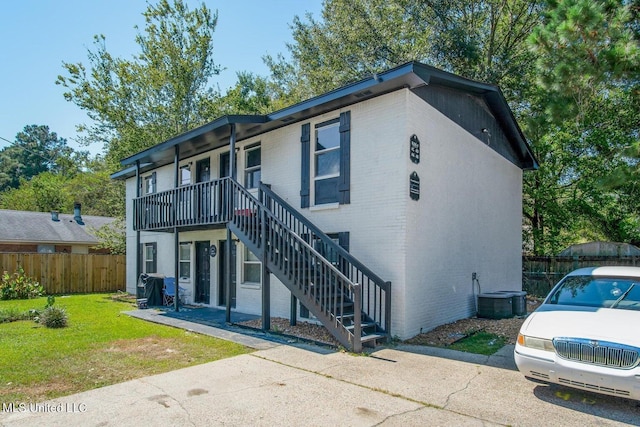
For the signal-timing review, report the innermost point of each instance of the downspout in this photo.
(230, 200)
(176, 234)
(136, 218)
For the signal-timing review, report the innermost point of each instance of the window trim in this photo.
(334, 123)
(185, 167)
(150, 179)
(251, 169)
(153, 260)
(342, 182)
(184, 261)
(245, 262)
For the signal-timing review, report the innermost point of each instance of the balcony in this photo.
(189, 206)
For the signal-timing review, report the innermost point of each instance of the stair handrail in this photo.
(354, 288)
(339, 249)
(285, 227)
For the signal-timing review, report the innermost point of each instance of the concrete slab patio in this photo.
(298, 384)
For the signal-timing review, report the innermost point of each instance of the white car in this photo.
(586, 333)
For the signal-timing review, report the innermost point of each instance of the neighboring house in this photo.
(24, 231)
(389, 196)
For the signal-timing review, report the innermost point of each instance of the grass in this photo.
(479, 343)
(99, 347)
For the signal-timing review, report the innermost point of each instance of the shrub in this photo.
(13, 314)
(19, 286)
(53, 317)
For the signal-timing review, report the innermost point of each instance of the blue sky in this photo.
(36, 36)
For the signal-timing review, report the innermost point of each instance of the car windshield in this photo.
(601, 292)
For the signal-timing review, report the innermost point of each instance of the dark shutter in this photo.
(343, 240)
(344, 187)
(305, 170)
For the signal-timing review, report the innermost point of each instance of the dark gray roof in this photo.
(38, 227)
(411, 75)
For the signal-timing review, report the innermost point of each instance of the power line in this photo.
(15, 144)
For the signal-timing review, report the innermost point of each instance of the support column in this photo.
(231, 207)
(227, 276)
(266, 298)
(266, 276)
(176, 234)
(136, 216)
(293, 315)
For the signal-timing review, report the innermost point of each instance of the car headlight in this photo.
(535, 343)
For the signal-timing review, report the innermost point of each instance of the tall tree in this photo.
(36, 149)
(157, 94)
(588, 67)
(479, 39)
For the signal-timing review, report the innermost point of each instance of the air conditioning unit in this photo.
(495, 305)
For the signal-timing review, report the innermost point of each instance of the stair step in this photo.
(363, 325)
(372, 337)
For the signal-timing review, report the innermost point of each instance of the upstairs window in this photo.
(253, 160)
(327, 162)
(185, 175)
(150, 184)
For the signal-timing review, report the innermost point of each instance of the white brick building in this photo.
(417, 174)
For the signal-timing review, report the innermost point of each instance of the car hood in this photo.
(604, 324)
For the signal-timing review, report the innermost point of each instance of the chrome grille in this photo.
(600, 353)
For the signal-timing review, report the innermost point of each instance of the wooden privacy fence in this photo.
(69, 273)
(540, 274)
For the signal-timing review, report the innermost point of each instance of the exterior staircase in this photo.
(352, 302)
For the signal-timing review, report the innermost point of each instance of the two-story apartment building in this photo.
(376, 208)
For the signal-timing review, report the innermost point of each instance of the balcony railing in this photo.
(204, 203)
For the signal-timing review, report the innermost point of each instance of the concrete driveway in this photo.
(293, 385)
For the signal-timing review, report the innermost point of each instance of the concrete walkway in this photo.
(292, 385)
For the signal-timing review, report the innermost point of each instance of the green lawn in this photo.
(100, 346)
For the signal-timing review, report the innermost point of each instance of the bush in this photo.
(19, 286)
(53, 317)
(13, 314)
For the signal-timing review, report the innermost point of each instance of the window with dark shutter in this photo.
(331, 167)
(326, 158)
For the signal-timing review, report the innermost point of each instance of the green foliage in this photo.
(585, 126)
(159, 93)
(112, 236)
(93, 188)
(13, 314)
(19, 286)
(54, 317)
(481, 39)
(36, 149)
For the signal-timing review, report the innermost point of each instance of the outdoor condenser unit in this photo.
(495, 305)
